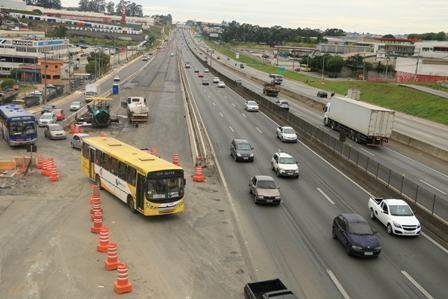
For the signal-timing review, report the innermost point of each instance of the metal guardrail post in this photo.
(388, 180)
(416, 194)
(433, 204)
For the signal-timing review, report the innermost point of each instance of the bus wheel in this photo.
(98, 182)
(131, 204)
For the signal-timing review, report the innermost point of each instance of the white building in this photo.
(432, 49)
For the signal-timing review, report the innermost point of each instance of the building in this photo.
(344, 48)
(50, 70)
(417, 69)
(17, 53)
(432, 49)
(396, 47)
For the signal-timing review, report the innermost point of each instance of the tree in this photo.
(98, 62)
(334, 64)
(334, 32)
(58, 31)
(355, 62)
(388, 36)
(110, 7)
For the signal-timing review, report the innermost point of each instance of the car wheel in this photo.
(131, 204)
(372, 214)
(98, 182)
(333, 234)
(389, 229)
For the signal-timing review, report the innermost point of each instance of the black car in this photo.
(241, 150)
(356, 235)
(196, 71)
(322, 94)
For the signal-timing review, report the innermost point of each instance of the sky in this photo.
(362, 16)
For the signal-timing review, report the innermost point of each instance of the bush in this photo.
(7, 84)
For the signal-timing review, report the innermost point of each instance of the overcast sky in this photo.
(374, 16)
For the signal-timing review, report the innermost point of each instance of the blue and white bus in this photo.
(17, 126)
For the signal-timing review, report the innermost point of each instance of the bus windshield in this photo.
(22, 128)
(165, 189)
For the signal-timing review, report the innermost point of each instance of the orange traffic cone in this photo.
(198, 176)
(97, 223)
(112, 261)
(53, 175)
(96, 208)
(40, 159)
(176, 160)
(104, 240)
(122, 284)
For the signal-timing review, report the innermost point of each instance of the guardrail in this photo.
(434, 205)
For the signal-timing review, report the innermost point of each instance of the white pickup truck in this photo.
(396, 215)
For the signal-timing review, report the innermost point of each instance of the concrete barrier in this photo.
(420, 145)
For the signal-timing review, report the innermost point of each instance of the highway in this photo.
(294, 241)
(433, 178)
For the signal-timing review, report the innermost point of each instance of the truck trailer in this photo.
(362, 122)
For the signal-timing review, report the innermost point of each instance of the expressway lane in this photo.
(433, 180)
(296, 237)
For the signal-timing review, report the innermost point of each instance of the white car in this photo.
(221, 84)
(284, 165)
(206, 70)
(172, 54)
(396, 215)
(251, 106)
(75, 106)
(46, 119)
(286, 134)
(117, 79)
(216, 80)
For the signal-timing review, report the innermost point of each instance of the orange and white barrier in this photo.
(122, 284)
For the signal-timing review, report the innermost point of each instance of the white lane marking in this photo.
(417, 285)
(259, 130)
(233, 105)
(366, 151)
(221, 114)
(435, 188)
(231, 129)
(244, 115)
(338, 284)
(435, 242)
(420, 164)
(325, 195)
(214, 104)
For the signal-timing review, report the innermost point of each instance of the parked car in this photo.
(205, 82)
(264, 190)
(55, 131)
(221, 84)
(215, 80)
(206, 70)
(251, 106)
(242, 150)
(59, 114)
(283, 164)
(46, 119)
(77, 140)
(75, 106)
(322, 94)
(396, 215)
(356, 235)
(283, 104)
(286, 134)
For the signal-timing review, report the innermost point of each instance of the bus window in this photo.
(131, 176)
(122, 170)
(98, 158)
(106, 163)
(85, 150)
(113, 166)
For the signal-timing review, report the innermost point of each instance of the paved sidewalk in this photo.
(426, 89)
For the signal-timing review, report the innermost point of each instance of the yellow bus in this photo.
(146, 183)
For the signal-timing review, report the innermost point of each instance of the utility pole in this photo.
(45, 78)
(69, 72)
(323, 66)
(416, 67)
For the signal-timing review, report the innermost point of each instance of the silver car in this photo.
(264, 190)
(55, 131)
(251, 106)
(75, 106)
(46, 119)
(77, 140)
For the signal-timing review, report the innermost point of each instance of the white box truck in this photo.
(362, 122)
(90, 92)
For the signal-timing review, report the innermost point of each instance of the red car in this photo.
(59, 113)
(200, 75)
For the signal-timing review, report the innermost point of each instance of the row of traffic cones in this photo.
(73, 129)
(48, 168)
(122, 284)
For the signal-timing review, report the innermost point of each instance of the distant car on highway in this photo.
(201, 75)
(221, 84)
(75, 106)
(117, 79)
(241, 66)
(187, 65)
(47, 108)
(215, 80)
(283, 164)
(205, 82)
(356, 235)
(145, 58)
(46, 119)
(55, 131)
(282, 104)
(77, 140)
(286, 134)
(265, 56)
(171, 54)
(59, 114)
(242, 150)
(251, 106)
(396, 215)
(322, 94)
(206, 70)
(196, 71)
(264, 189)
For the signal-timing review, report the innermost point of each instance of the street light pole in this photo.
(45, 78)
(323, 66)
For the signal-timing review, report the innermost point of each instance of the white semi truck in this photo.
(90, 92)
(362, 122)
(136, 108)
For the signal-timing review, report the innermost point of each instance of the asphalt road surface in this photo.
(294, 241)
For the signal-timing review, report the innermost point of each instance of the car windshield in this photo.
(76, 103)
(287, 160)
(243, 146)
(266, 184)
(288, 131)
(46, 116)
(56, 128)
(360, 228)
(400, 210)
(251, 103)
